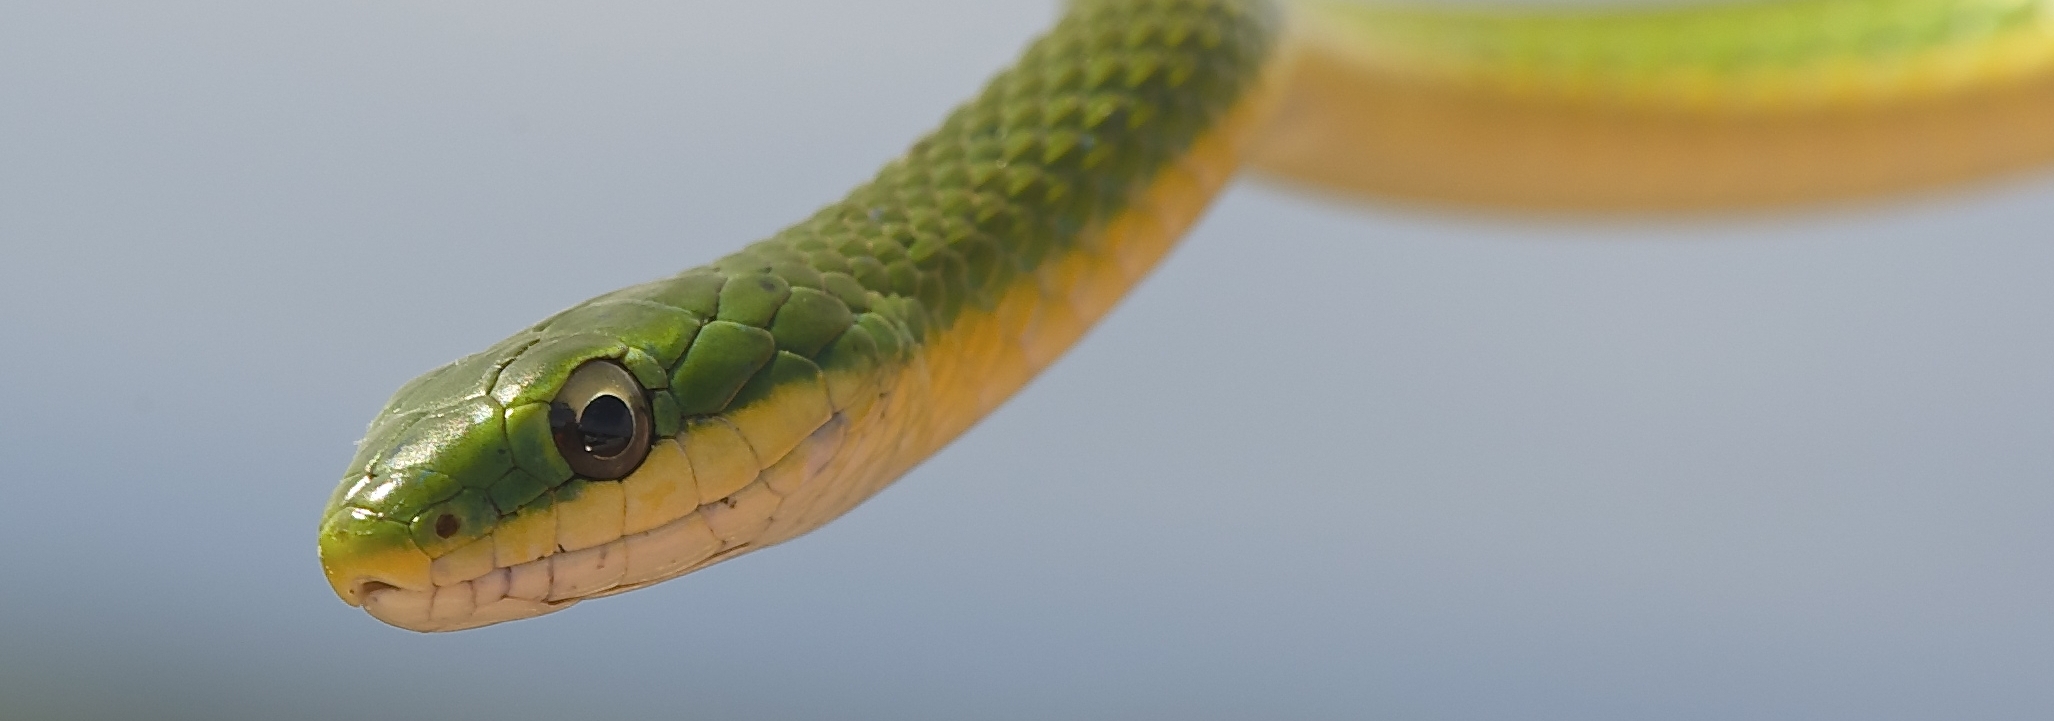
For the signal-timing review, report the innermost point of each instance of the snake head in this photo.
(479, 479)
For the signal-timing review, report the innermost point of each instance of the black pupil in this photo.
(607, 424)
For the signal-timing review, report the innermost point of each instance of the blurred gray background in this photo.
(1331, 462)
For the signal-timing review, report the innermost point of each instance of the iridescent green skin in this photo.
(1051, 148)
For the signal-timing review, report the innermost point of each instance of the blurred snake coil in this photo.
(661, 428)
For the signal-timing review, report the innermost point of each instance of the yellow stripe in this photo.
(1348, 127)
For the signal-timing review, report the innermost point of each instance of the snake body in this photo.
(666, 426)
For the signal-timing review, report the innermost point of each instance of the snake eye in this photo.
(601, 421)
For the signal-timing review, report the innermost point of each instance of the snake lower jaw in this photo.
(443, 608)
(415, 610)
(544, 585)
(510, 593)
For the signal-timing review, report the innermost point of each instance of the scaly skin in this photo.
(797, 377)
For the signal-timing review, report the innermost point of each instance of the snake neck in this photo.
(998, 240)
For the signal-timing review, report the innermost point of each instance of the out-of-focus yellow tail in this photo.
(1732, 105)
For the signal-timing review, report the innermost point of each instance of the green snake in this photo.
(663, 427)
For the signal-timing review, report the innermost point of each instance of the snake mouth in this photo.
(551, 583)
(482, 601)
(547, 561)
(365, 589)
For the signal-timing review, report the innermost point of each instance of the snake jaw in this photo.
(420, 611)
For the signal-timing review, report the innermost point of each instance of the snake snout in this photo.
(363, 554)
